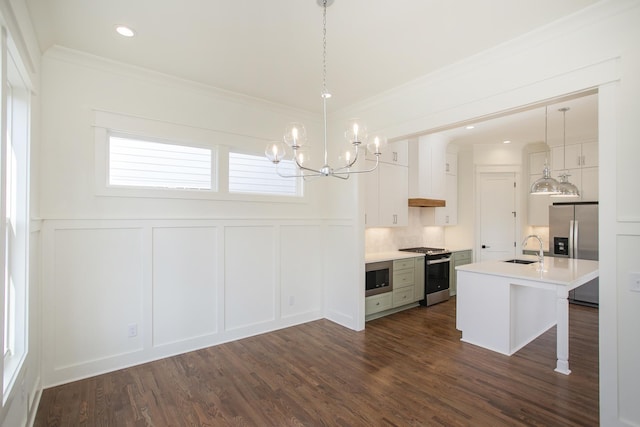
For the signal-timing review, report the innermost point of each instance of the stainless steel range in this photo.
(436, 274)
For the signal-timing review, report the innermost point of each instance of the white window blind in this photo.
(257, 175)
(140, 163)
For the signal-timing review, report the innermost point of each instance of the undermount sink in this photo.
(520, 261)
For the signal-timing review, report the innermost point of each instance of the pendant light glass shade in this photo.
(545, 185)
(565, 188)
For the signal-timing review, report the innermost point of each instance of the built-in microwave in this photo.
(379, 277)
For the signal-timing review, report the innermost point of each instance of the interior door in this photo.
(497, 216)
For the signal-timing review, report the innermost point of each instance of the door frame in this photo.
(519, 201)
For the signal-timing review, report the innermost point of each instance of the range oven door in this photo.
(437, 275)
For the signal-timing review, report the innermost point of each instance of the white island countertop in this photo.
(558, 271)
(503, 306)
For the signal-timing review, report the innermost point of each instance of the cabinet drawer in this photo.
(402, 296)
(401, 264)
(403, 278)
(378, 303)
(463, 257)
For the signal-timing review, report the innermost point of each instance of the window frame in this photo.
(15, 149)
(105, 123)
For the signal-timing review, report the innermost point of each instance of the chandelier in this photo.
(295, 135)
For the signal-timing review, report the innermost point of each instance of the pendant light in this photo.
(545, 185)
(565, 188)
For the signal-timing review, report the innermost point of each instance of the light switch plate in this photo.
(634, 282)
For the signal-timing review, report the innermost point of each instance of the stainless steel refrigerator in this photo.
(573, 233)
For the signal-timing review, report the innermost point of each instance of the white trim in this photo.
(219, 142)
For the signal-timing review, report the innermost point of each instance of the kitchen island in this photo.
(503, 306)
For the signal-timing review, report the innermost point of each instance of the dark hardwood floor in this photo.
(406, 369)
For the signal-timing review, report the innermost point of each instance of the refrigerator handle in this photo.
(576, 231)
(572, 237)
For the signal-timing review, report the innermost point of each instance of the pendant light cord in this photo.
(564, 137)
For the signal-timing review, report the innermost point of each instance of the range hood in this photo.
(417, 202)
(427, 159)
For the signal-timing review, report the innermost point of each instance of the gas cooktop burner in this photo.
(428, 251)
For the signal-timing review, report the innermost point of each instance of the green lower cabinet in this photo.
(408, 287)
(458, 258)
(378, 303)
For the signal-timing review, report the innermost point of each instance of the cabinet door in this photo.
(589, 154)
(449, 214)
(438, 167)
(568, 158)
(393, 195)
(589, 190)
(371, 196)
(451, 167)
(396, 153)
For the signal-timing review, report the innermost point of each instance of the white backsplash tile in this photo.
(413, 235)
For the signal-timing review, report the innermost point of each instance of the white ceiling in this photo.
(273, 49)
(528, 126)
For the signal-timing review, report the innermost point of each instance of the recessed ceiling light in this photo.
(469, 127)
(506, 141)
(125, 31)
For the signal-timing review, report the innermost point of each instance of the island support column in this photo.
(562, 332)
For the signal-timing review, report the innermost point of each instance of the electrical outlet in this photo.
(634, 282)
(132, 330)
(292, 300)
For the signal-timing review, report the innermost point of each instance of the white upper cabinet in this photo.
(451, 166)
(386, 196)
(581, 162)
(395, 153)
(577, 156)
(447, 215)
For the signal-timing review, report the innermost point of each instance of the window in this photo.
(139, 163)
(257, 175)
(14, 165)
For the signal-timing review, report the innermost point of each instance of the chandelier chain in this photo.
(324, 47)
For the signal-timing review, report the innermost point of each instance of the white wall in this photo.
(597, 48)
(186, 273)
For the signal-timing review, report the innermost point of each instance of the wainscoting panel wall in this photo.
(124, 292)
(302, 276)
(95, 293)
(184, 283)
(250, 276)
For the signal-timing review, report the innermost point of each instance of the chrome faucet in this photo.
(541, 254)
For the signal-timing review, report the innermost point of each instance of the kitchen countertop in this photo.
(391, 255)
(459, 249)
(504, 306)
(559, 271)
